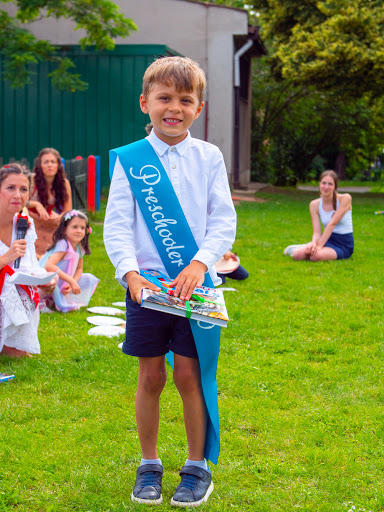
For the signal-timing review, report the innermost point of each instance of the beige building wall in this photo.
(203, 32)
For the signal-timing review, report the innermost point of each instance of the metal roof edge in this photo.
(219, 6)
(120, 49)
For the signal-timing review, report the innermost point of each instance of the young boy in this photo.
(172, 95)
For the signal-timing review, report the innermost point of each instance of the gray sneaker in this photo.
(194, 489)
(288, 251)
(147, 488)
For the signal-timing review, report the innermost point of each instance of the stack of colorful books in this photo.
(206, 304)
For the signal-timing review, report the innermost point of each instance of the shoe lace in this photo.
(149, 479)
(189, 481)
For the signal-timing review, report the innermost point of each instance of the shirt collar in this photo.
(162, 147)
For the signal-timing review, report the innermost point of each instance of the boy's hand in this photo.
(136, 283)
(188, 279)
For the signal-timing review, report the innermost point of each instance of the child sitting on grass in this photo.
(170, 210)
(65, 255)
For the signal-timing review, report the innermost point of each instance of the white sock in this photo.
(150, 461)
(199, 463)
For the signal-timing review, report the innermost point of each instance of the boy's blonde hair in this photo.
(185, 73)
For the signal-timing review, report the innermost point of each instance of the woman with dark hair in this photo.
(334, 212)
(50, 196)
(19, 314)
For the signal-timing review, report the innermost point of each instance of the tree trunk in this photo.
(340, 165)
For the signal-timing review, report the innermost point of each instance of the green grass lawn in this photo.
(300, 382)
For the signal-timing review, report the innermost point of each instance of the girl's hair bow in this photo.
(70, 214)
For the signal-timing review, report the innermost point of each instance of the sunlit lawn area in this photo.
(300, 383)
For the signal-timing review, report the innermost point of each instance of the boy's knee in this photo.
(153, 381)
(186, 379)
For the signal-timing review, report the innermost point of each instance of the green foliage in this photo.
(336, 45)
(293, 125)
(65, 81)
(101, 20)
(230, 3)
(300, 384)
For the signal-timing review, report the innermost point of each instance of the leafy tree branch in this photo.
(101, 20)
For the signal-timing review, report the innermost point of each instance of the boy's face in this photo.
(171, 112)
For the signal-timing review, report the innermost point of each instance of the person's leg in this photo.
(151, 382)
(14, 352)
(196, 480)
(186, 376)
(324, 254)
(147, 337)
(300, 253)
(288, 251)
(239, 274)
(222, 277)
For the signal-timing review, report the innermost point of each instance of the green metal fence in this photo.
(105, 116)
(77, 175)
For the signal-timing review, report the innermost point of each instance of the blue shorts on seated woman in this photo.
(342, 244)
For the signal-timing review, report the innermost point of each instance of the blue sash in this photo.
(176, 245)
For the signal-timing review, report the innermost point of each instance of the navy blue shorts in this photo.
(342, 244)
(152, 333)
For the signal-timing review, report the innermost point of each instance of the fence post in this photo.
(91, 182)
(98, 191)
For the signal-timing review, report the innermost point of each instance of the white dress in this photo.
(19, 318)
(68, 264)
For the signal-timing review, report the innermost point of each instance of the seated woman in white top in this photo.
(334, 211)
(19, 314)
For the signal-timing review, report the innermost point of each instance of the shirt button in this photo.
(172, 149)
(173, 166)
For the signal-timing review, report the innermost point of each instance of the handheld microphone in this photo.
(21, 229)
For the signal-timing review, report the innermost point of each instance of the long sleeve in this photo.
(197, 172)
(221, 215)
(119, 225)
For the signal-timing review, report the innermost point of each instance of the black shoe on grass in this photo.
(194, 489)
(147, 488)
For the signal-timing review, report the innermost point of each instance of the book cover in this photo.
(4, 377)
(206, 304)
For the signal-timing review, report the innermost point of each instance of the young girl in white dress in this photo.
(65, 255)
(19, 314)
